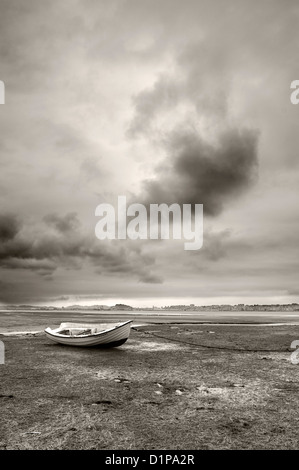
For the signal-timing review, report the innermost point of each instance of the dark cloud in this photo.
(149, 278)
(59, 242)
(197, 172)
(216, 245)
(9, 227)
(121, 260)
(67, 223)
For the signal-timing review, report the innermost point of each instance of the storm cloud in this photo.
(197, 172)
(9, 227)
(60, 242)
(174, 102)
(185, 116)
(67, 223)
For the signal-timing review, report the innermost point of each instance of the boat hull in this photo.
(115, 336)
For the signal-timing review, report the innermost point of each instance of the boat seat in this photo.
(77, 331)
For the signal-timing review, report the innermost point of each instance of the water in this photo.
(28, 320)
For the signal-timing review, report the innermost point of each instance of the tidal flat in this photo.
(170, 386)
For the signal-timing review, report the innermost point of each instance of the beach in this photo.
(170, 386)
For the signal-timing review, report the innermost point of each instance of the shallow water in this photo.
(22, 320)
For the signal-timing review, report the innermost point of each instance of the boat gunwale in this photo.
(49, 331)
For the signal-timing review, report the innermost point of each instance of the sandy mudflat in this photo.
(161, 390)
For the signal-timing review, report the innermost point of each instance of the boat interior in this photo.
(75, 329)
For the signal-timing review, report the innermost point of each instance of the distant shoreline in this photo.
(239, 308)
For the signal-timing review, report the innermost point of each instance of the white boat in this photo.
(83, 334)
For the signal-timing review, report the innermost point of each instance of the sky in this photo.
(165, 101)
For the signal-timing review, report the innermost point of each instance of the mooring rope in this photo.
(210, 347)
